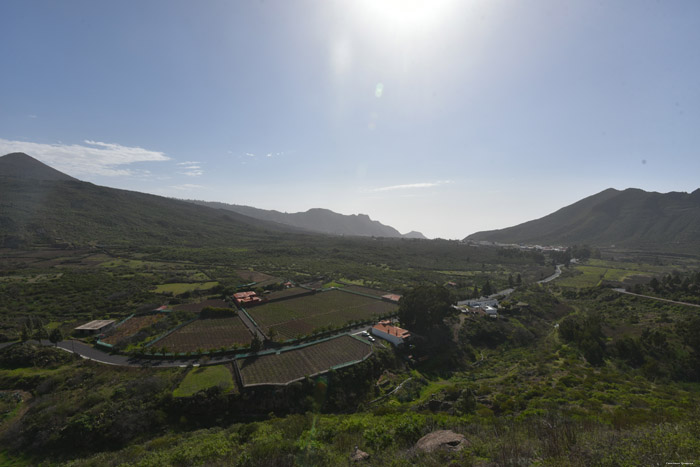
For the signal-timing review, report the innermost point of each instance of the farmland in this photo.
(131, 327)
(365, 290)
(292, 365)
(595, 271)
(296, 317)
(207, 334)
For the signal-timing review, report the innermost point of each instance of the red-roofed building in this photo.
(246, 298)
(391, 333)
(391, 297)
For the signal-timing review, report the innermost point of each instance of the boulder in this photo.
(446, 440)
(358, 455)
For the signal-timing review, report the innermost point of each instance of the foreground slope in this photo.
(42, 205)
(630, 218)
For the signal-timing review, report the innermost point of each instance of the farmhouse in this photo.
(98, 326)
(393, 334)
(246, 298)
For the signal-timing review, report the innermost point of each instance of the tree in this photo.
(519, 280)
(24, 333)
(56, 336)
(255, 344)
(424, 307)
(487, 290)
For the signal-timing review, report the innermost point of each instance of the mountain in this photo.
(319, 220)
(414, 234)
(20, 165)
(631, 218)
(41, 205)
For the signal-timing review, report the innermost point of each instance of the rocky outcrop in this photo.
(446, 440)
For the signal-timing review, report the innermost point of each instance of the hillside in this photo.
(20, 165)
(631, 218)
(320, 220)
(42, 205)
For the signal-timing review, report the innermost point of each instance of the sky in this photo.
(442, 116)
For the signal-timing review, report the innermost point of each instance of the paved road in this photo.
(657, 298)
(556, 274)
(91, 353)
(251, 326)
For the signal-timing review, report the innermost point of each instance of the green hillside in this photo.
(631, 218)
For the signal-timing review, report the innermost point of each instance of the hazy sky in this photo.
(443, 116)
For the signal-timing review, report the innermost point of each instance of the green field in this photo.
(182, 287)
(596, 270)
(199, 379)
(302, 316)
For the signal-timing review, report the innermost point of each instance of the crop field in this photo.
(285, 367)
(182, 287)
(131, 327)
(365, 290)
(301, 316)
(286, 293)
(199, 379)
(254, 276)
(595, 271)
(207, 334)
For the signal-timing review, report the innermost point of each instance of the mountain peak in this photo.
(21, 165)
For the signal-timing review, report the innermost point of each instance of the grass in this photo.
(200, 379)
(182, 287)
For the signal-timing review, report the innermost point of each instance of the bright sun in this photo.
(405, 17)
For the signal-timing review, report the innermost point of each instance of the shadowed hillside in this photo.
(41, 205)
(631, 218)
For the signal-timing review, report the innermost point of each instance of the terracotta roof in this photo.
(387, 327)
(391, 296)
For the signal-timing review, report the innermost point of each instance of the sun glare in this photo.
(405, 17)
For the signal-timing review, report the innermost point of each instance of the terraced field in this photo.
(301, 316)
(285, 367)
(207, 334)
(131, 327)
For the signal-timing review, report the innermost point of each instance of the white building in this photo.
(395, 335)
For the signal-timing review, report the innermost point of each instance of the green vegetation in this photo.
(203, 378)
(180, 288)
(616, 383)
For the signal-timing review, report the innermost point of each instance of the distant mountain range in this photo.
(40, 205)
(631, 218)
(320, 221)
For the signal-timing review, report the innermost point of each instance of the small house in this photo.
(98, 326)
(394, 334)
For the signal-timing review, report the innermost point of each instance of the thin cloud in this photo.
(268, 154)
(90, 158)
(186, 187)
(410, 186)
(191, 168)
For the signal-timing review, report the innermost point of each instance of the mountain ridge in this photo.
(630, 218)
(319, 220)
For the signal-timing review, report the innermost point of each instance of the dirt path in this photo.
(26, 402)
